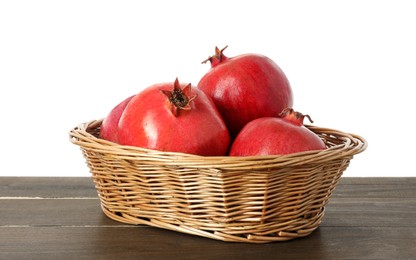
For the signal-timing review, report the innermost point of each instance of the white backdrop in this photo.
(351, 65)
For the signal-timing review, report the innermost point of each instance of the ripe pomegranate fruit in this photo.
(109, 126)
(273, 135)
(246, 87)
(174, 117)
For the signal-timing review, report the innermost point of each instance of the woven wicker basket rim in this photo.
(348, 145)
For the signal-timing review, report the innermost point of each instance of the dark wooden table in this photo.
(61, 218)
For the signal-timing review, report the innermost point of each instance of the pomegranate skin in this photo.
(150, 122)
(246, 87)
(109, 126)
(274, 136)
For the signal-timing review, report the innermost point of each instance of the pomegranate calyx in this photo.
(294, 116)
(179, 99)
(217, 58)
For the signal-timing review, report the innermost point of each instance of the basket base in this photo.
(216, 234)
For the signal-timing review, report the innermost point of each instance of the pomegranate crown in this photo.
(217, 58)
(294, 116)
(179, 99)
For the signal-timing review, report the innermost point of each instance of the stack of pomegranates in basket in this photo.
(241, 107)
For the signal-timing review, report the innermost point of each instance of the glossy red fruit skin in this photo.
(274, 136)
(109, 126)
(246, 87)
(148, 121)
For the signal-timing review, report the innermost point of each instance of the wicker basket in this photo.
(240, 199)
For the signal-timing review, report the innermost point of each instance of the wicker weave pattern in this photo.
(239, 199)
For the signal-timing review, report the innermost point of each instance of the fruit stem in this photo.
(294, 116)
(217, 58)
(179, 99)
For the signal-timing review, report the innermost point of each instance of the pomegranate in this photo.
(174, 117)
(109, 126)
(274, 135)
(246, 87)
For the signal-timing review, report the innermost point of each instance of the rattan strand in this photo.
(238, 199)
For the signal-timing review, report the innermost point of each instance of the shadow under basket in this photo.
(255, 199)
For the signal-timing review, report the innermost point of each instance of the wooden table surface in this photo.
(61, 218)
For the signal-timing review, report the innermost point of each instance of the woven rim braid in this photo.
(255, 199)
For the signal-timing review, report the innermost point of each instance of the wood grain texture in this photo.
(61, 218)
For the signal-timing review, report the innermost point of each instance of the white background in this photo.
(351, 64)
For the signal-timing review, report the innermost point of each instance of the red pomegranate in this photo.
(246, 87)
(273, 135)
(174, 117)
(109, 126)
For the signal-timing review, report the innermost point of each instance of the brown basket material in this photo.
(240, 199)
